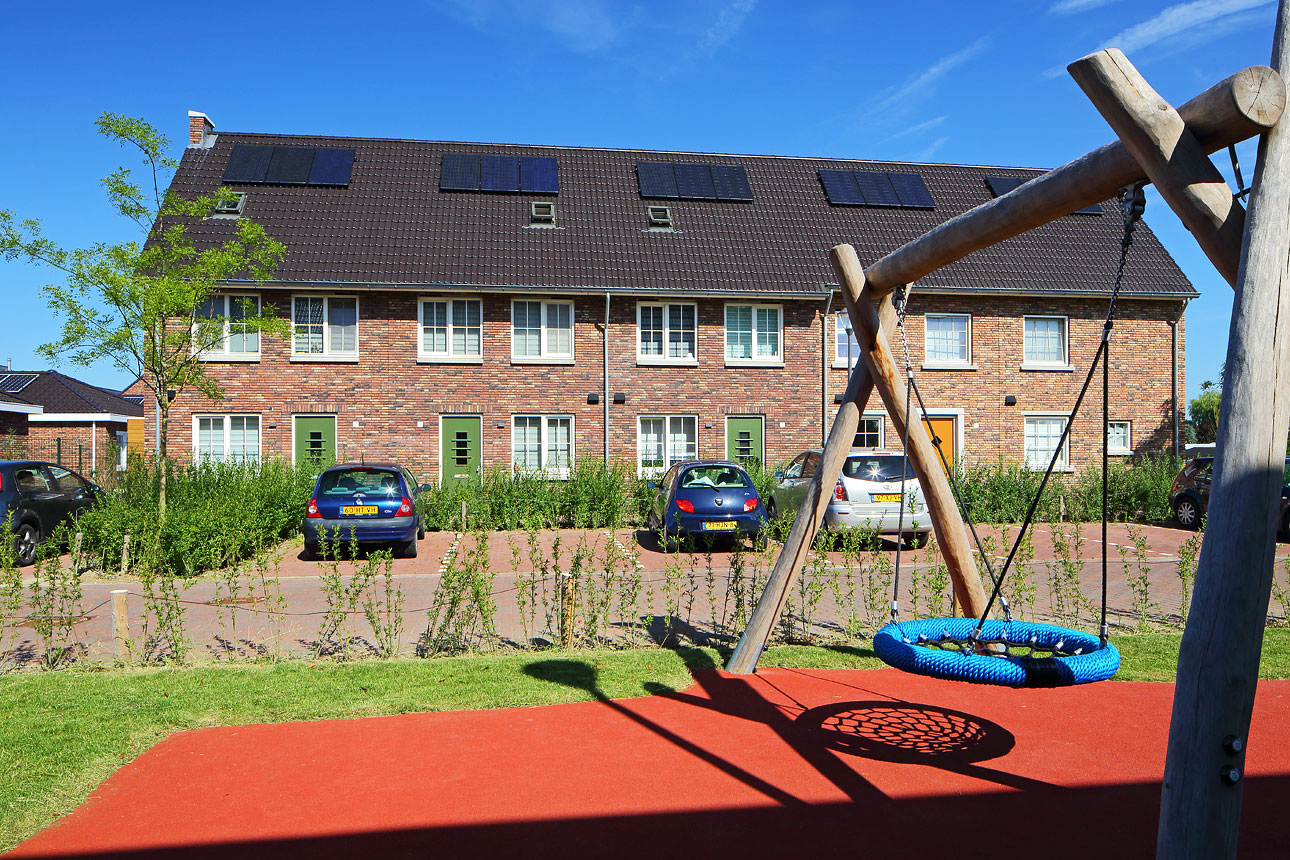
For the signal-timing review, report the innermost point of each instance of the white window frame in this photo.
(1047, 364)
(329, 352)
(932, 363)
(548, 467)
(840, 322)
(777, 360)
(1064, 462)
(226, 431)
(224, 352)
(882, 429)
(669, 451)
(122, 450)
(1119, 450)
(546, 354)
(671, 327)
(449, 355)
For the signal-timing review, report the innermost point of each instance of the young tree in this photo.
(1204, 411)
(140, 304)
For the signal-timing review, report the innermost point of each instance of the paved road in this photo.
(281, 608)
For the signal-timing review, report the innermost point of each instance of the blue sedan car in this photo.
(367, 503)
(706, 497)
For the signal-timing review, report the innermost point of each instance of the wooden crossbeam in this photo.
(1155, 134)
(1236, 109)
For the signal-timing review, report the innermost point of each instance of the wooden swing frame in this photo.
(1218, 663)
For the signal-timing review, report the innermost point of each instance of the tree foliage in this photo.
(138, 304)
(1203, 411)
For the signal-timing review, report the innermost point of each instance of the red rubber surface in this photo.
(785, 764)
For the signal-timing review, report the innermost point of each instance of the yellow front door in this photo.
(944, 429)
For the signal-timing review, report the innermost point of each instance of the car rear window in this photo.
(880, 467)
(724, 477)
(349, 482)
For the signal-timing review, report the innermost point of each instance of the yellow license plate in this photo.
(719, 527)
(358, 510)
(886, 497)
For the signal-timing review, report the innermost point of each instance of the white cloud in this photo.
(1074, 7)
(727, 25)
(903, 97)
(931, 149)
(581, 25)
(1178, 19)
(920, 127)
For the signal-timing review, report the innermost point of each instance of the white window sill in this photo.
(245, 358)
(1039, 467)
(532, 359)
(450, 359)
(743, 362)
(947, 365)
(1059, 368)
(1120, 452)
(323, 358)
(644, 361)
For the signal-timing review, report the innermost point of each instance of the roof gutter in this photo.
(82, 417)
(526, 289)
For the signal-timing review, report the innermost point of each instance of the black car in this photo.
(1189, 495)
(36, 498)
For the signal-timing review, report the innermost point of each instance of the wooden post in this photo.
(1218, 665)
(942, 508)
(125, 555)
(1238, 108)
(76, 552)
(1168, 153)
(797, 544)
(120, 625)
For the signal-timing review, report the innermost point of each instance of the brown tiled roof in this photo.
(57, 393)
(392, 226)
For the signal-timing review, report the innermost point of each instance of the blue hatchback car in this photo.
(368, 503)
(706, 497)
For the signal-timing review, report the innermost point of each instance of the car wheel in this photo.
(1187, 513)
(310, 552)
(409, 549)
(771, 511)
(759, 541)
(25, 541)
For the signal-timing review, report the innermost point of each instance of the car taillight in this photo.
(312, 510)
(405, 509)
(840, 492)
(750, 505)
(685, 505)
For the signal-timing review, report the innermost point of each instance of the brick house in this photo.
(48, 415)
(461, 306)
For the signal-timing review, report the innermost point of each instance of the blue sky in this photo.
(967, 83)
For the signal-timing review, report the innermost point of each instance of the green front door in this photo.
(315, 440)
(745, 441)
(460, 448)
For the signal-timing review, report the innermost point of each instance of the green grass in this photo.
(62, 733)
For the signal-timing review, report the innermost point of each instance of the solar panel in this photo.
(731, 182)
(876, 188)
(911, 190)
(290, 165)
(694, 182)
(458, 171)
(841, 188)
(331, 167)
(657, 179)
(539, 175)
(12, 383)
(248, 163)
(499, 173)
(1001, 185)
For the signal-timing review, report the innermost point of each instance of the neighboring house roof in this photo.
(392, 226)
(64, 398)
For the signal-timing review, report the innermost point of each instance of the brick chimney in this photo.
(201, 131)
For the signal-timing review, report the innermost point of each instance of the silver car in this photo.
(866, 496)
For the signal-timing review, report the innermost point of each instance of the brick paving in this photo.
(285, 620)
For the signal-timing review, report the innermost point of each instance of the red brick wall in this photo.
(83, 444)
(387, 393)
